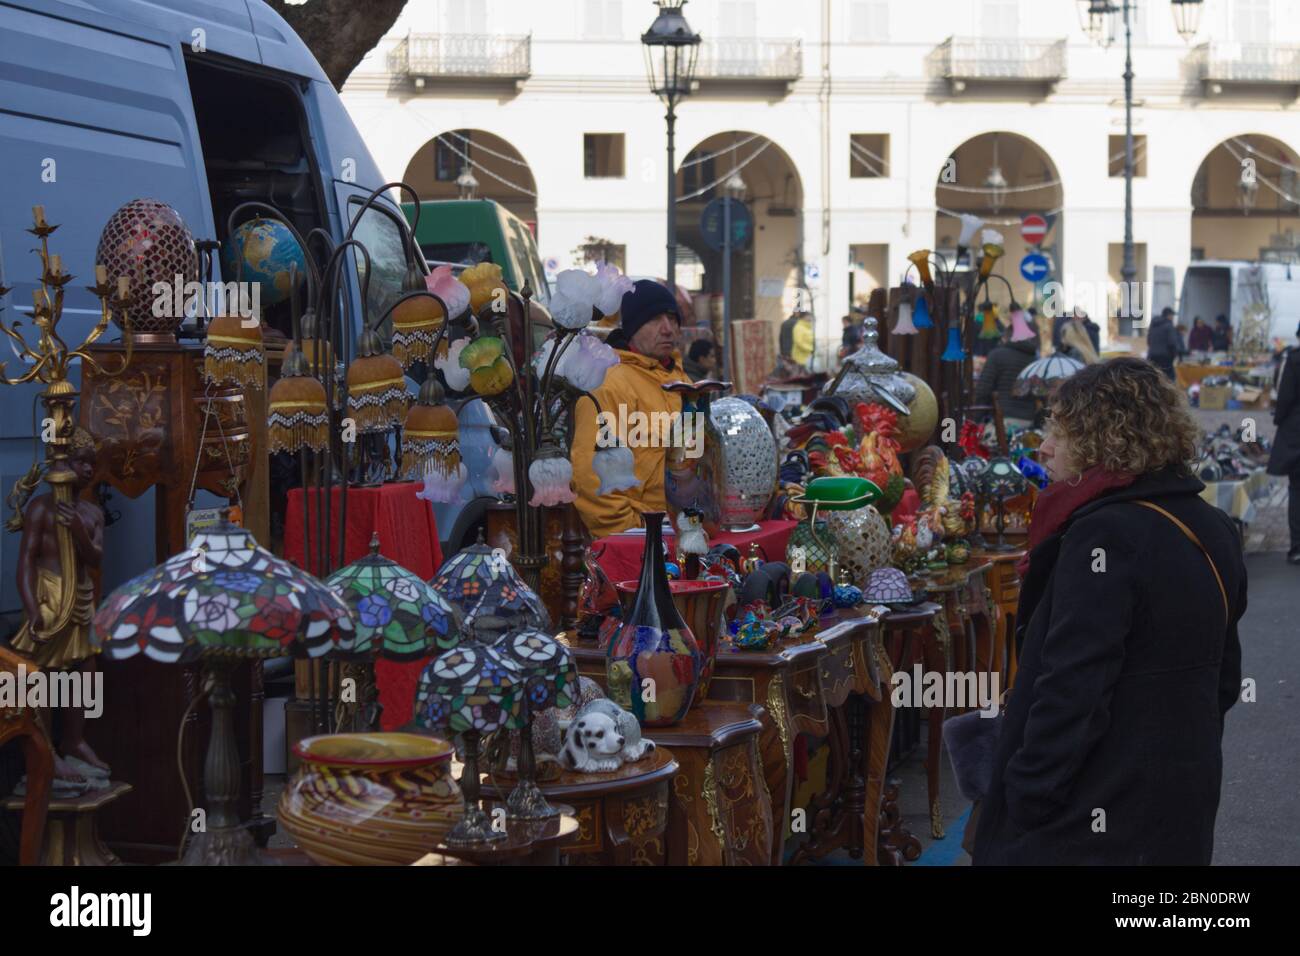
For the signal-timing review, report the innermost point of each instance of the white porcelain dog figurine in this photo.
(602, 737)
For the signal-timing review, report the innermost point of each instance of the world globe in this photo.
(268, 252)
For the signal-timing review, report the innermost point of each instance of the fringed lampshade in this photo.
(431, 444)
(297, 416)
(377, 396)
(232, 354)
(417, 318)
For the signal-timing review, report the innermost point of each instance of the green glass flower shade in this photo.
(469, 688)
(227, 596)
(398, 616)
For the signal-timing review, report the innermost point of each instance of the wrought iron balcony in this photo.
(420, 56)
(963, 60)
(1246, 64)
(746, 59)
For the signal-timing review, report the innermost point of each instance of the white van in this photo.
(1217, 287)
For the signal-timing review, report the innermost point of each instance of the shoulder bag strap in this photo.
(1191, 535)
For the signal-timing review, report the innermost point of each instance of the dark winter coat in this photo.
(1163, 343)
(999, 376)
(1123, 682)
(1285, 457)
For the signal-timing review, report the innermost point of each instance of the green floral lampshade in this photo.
(398, 616)
(226, 596)
(1002, 479)
(469, 688)
(487, 595)
(547, 668)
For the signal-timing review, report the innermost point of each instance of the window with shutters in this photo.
(465, 16)
(1000, 18)
(602, 19)
(602, 155)
(1252, 21)
(868, 21)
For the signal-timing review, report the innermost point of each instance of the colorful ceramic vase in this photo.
(370, 799)
(654, 663)
(700, 603)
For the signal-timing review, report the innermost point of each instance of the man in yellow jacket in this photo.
(646, 343)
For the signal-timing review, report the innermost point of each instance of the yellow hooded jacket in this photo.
(635, 385)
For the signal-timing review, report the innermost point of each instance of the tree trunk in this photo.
(339, 32)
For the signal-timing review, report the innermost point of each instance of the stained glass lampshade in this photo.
(470, 691)
(1040, 376)
(1002, 479)
(225, 599)
(481, 581)
(887, 586)
(550, 679)
(398, 615)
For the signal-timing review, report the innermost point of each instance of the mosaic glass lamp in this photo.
(487, 594)
(1000, 481)
(225, 600)
(471, 691)
(887, 586)
(550, 679)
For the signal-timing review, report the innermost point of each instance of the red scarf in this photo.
(1061, 499)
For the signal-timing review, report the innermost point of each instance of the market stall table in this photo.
(620, 817)
(619, 555)
(408, 534)
(1237, 498)
(1188, 374)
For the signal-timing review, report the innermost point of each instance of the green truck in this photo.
(465, 232)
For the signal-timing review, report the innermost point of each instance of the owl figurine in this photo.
(690, 529)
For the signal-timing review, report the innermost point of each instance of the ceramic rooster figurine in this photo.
(877, 450)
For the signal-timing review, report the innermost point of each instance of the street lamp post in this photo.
(1097, 17)
(671, 50)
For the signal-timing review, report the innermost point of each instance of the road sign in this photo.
(1033, 229)
(812, 273)
(1035, 267)
(711, 223)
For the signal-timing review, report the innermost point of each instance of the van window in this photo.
(379, 232)
(524, 251)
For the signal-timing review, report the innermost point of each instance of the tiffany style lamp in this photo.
(550, 679)
(487, 595)
(1000, 481)
(471, 691)
(397, 615)
(225, 600)
(1041, 376)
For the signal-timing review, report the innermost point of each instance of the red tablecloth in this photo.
(621, 557)
(408, 534)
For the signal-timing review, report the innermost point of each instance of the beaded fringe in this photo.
(378, 411)
(430, 456)
(299, 430)
(234, 366)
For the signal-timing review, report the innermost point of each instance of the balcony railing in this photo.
(962, 60)
(1263, 64)
(747, 58)
(462, 56)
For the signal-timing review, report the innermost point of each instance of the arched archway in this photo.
(500, 169)
(1001, 177)
(769, 268)
(1246, 201)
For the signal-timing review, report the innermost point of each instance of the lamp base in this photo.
(222, 846)
(474, 827)
(527, 802)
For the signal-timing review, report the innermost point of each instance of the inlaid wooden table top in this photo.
(658, 765)
(82, 803)
(713, 723)
(911, 615)
(1000, 557)
(955, 577)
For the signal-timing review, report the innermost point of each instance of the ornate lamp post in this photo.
(1098, 20)
(670, 53)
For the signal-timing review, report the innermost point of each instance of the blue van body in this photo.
(96, 110)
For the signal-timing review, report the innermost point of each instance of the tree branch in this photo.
(339, 32)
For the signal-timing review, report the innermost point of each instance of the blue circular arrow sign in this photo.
(1035, 267)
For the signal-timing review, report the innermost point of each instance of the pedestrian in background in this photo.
(998, 377)
(701, 360)
(1200, 339)
(1285, 457)
(1221, 334)
(1163, 343)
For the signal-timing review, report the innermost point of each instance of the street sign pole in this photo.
(725, 364)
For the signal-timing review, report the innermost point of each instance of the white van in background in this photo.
(1217, 287)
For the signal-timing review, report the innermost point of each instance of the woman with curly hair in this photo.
(1110, 750)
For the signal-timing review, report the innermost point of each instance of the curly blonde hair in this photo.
(1126, 416)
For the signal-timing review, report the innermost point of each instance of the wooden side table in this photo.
(786, 681)
(22, 723)
(621, 817)
(527, 843)
(72, 828)
(1004, 592)
(721, 811)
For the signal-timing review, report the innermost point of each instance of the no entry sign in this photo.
(1033, 229)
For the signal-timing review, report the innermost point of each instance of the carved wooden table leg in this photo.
(39, 757)
(937, 652)
(897, 844)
